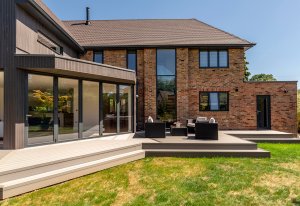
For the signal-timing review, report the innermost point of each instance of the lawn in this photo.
(183, 181)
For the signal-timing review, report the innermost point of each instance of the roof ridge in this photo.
(128, 19)
(224, 31)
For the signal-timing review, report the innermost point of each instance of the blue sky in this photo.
(272, 24)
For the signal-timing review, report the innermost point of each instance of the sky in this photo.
(274, 25)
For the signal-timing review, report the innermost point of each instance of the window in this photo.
(166, 84)
(49, 44)
(98, 57)
(213, 58)
(213, 101)
(131, 59)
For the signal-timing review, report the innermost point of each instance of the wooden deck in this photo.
(36, 167)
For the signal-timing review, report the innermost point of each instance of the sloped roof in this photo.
(151, 32)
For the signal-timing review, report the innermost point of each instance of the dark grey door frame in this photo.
(265, 111)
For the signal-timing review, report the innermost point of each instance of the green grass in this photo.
(183, 181)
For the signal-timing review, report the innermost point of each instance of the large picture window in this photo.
(213, 58)
(213, 101)
(166, 85)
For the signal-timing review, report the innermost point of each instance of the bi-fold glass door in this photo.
(62, 109)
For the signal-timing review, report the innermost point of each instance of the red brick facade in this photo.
(191, 80)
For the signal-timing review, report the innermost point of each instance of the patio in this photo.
(36, 167)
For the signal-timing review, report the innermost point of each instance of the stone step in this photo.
(258, 153)
(197, 146)
(22, 185)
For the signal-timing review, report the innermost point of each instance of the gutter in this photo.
(37, 7)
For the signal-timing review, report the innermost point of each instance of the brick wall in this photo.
(242, 95)
(182, 82)
(116, 57)
(150, 83)
(140, 92)
(191, 80)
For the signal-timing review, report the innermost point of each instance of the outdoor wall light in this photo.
(285, 90)
(236, 89)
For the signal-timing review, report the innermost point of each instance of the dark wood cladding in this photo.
(74, 67)
(13, 79)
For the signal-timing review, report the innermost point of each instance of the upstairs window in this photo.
(98, 57)
(47, 42)
(213, 58)
(131, 59)
(213, 101)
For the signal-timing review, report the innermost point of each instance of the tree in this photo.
(247, 72)
(263, 78)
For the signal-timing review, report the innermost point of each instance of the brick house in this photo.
(80, 78)
(207, 63)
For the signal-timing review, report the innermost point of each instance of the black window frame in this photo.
(94, 54)
(209, 110)
(131, 51)
(218, 58)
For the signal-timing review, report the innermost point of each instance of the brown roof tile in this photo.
(150, 32)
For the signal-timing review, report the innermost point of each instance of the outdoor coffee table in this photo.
(179, 131)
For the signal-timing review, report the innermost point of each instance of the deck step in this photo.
(261, 135)
(197, 146)
(29, 183)
(8, 173)
(275, 140)
(258, 153)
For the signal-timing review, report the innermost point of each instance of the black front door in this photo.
(263, 112)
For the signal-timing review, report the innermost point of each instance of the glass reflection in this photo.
(109, 109)
(40, 109)
(125, 109)
(90, 106)
(67, 109)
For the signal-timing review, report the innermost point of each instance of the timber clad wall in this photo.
(191, 80)
(13, 79)
(27, 29)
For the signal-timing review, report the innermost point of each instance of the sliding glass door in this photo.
(62, 109)
(109, 96)
(125, 108)
(90, 109)
(68, 118)
(40, 109)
